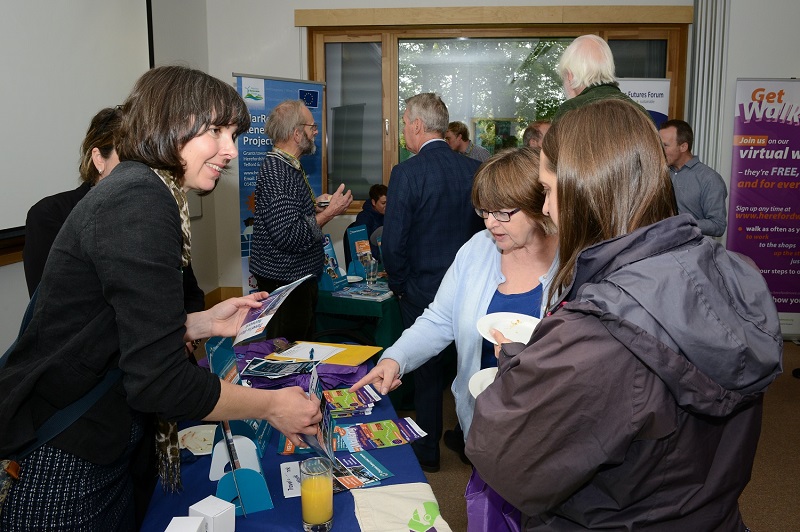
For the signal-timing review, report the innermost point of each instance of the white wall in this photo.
(61, 62)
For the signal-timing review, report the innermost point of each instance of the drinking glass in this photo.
(316, 494)
(371, 270)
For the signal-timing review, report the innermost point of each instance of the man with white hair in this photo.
(587, 70)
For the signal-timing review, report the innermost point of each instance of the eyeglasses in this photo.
(314, 127)
(500, 216)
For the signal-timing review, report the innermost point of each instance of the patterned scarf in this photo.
(168, 450)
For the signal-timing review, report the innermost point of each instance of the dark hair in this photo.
(510, 179)
(377, 191)
(100, 135)
(168, 107)
(459, 128)
(611, 178)
(683, 132)
(534, 132)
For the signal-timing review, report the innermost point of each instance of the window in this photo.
(495, 86)
(494, 76)
(354, 116)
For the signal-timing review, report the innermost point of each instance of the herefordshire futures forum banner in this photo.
(261, 95)
(764, 209)
(650, 93)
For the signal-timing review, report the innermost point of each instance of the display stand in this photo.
(359, 243)
(245, 486)
(256, 430)
(331, 278)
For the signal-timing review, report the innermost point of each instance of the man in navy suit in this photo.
(429, 216)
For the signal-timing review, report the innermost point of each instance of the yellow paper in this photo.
(353, 355)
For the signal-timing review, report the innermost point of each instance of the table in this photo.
(286, 514)
(379, 322)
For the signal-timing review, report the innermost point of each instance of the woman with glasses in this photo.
(503, 268)
(637, 403)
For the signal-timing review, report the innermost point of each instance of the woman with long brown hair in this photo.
(637, 402)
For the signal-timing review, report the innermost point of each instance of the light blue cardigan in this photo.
(462, 299)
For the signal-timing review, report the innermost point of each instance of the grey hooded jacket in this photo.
(637, 403)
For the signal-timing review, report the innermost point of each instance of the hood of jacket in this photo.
(700, 317)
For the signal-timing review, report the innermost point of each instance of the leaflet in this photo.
(255, 322)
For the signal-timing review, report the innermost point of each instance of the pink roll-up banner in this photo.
(764, 209)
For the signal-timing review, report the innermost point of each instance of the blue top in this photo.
(454, 315)
(527, 303)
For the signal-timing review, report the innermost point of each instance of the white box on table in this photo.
(187, 524)
(220, 515)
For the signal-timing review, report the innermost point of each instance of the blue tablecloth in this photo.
(285, 515)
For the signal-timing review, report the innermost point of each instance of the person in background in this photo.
(45, 218)
(501, 269)
(429, 216)
(112, 297)
(587, 70)
(637, 402)
(457, 137)
(371, 215)
(699, 190)
(534, 133)
(287, 241)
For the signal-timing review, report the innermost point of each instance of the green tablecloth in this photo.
(378, 322)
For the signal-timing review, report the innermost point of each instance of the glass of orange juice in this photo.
(316, 494)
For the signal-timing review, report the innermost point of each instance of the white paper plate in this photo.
(198, 439)
(515, 327)
(481, 380)
(354, 278)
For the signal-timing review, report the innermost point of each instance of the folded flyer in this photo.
(255, 322)
(380, 434)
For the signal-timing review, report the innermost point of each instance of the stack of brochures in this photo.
(362, 290)
(342, 403)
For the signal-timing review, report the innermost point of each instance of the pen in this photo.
(311, 354)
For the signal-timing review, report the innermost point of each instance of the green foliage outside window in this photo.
(495, 86)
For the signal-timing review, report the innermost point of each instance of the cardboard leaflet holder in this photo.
(243, 484)
(359, 245)
(331, 278)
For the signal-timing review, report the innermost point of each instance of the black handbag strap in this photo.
(26, 319)
(65, 417)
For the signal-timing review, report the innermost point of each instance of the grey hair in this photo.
(431, 110)
(284, 119)
(590, 61)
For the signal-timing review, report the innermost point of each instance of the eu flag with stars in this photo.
(310, 98)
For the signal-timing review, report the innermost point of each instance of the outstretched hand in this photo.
(385, 375)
